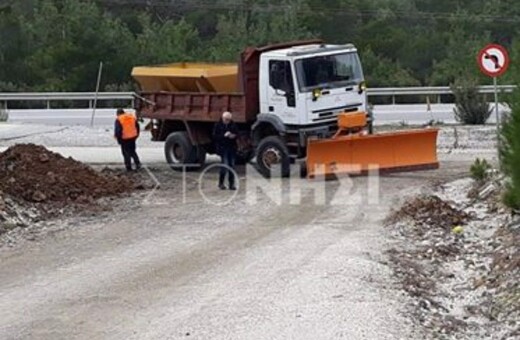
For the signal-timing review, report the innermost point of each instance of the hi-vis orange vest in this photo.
(128, 122)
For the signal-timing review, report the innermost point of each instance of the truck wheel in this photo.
(303, 169)
(272, 157)
(179, 151)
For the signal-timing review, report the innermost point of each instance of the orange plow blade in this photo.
(358, 154)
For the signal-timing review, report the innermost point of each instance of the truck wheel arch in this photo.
(267, 125)
(170, 126)
(198, 134)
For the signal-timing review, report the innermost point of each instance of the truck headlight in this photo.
(316, 93)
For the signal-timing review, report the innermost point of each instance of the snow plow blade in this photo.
(386, 152)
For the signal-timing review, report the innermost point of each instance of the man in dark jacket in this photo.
(225, 135)
(126, 131)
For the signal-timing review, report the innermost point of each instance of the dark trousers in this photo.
(227, 158)
(128, 149)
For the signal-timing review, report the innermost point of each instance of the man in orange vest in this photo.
(126, 133)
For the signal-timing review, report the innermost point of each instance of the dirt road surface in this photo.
(182, 268)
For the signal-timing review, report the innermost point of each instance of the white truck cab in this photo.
(306, 86)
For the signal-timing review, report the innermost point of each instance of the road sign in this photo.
(493, 60)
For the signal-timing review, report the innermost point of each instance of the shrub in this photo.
(471, 107)
(3, 114)
(480, 170)
(510, 152)
(511, 198)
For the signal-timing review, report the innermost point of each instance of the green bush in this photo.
(480, 170)
(3, 114)
(471, 107)
(510, 152)
(511, 198)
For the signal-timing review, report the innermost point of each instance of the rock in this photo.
(39, 196)
(44, 158)
(51, 177)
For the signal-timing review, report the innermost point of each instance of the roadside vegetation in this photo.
(56, 45)
(471, 107)
(480, 170)
(511, 153)
(510, 141)
(3, 114)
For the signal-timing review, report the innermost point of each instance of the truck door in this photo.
(281, 94)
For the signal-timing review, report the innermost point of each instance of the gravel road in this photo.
(181, 268)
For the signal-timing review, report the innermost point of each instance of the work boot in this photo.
(222, 187)
(233, 188)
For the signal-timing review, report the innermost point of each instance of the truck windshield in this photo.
(331, 71)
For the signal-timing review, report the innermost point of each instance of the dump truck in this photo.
(301, 100)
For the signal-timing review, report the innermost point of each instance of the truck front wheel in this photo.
(272, 157)
(180, 152)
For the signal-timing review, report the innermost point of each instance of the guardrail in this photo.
(438, 91)
(90, 97)
(49, 97)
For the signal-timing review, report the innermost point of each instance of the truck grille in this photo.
(332, 113)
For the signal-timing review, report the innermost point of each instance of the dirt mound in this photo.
(35, 174)
(464, 282)
(430, 211)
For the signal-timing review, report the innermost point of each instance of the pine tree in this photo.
(511, 152)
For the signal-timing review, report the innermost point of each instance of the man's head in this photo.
(120, 112)
(227, 117)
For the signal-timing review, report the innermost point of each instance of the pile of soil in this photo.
(35, 174)
(430, 211)
(464, 282)
(15, 213)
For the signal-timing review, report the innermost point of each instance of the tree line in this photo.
(56, 45)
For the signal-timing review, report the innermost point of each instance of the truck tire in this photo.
(179, 151)
(303, 169)
(272, 157)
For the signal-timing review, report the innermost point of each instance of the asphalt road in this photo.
(384, 114)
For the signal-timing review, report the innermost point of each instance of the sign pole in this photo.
(97, 92)
(499, 120)
(493, 61)
(497, 112)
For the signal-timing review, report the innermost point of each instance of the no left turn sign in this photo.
(493, 60)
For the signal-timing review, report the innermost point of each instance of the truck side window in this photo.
(280, 76)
